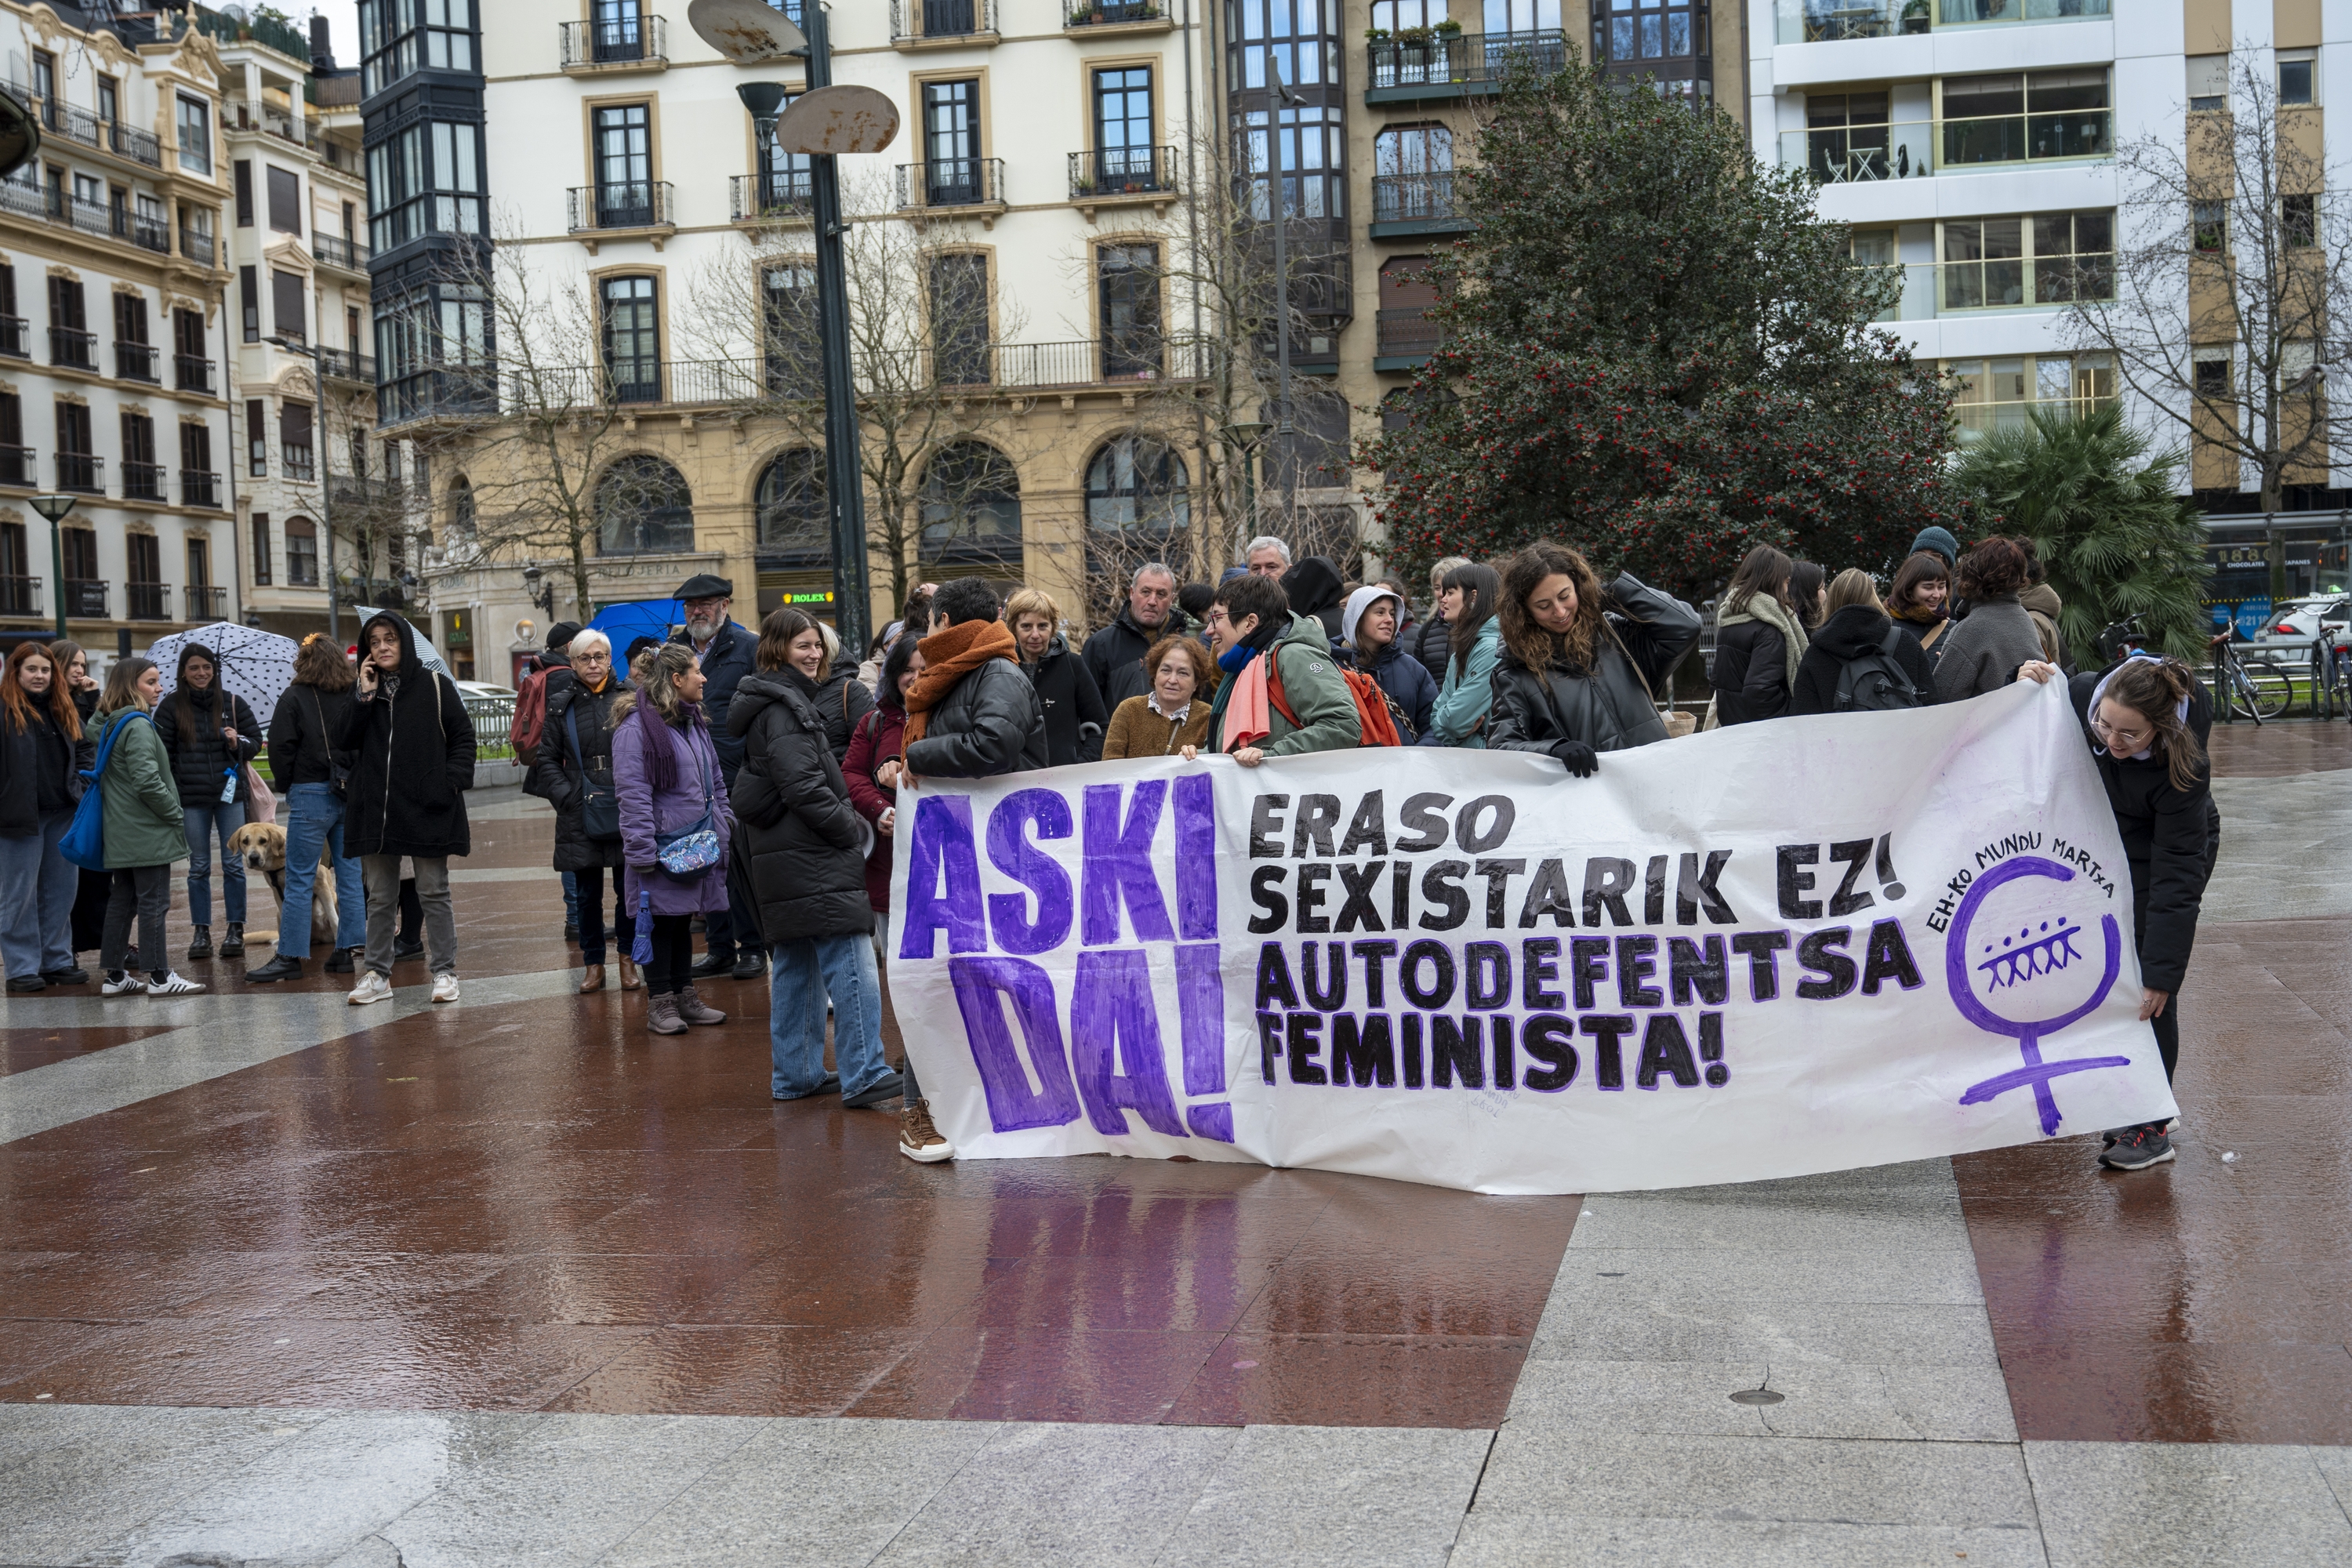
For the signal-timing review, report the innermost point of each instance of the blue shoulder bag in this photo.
(85, 842)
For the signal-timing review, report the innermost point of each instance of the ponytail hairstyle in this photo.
(2159, 691)
(657, 708)
(1524, 638)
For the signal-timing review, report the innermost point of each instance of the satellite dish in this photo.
(20, 136)
(840, 118)
(747, 32)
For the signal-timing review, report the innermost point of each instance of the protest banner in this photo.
(1806, 945)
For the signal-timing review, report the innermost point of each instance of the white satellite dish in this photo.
(747, 32)
(844, 118)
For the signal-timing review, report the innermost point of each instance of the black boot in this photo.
(282, 967)
(234, 943)
(343, 961)
(203, 946)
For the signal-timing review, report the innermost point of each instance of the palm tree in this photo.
(2105, 518)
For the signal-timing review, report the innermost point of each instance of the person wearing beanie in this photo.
(1941, 542)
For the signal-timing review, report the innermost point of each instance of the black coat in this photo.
(1314, 588)
(990, 722)
(2170, 837)
(724, 665)
(840, 699)
(298, 735)
(1075, 715)
(1850, 633)
(1432, 642)
(802, 833)
(1607, 707)
(1751, 673)
(1114, 656)
(199, 755)
(414, 760)
(555, 776)
(21, 768)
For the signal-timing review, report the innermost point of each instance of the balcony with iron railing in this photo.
(779, 195)
(630, 205)
(951, 182)
(1404, 337)
(86, 598)
(942, 24)
(136, 361)
(343, 254)
(147, 601)
(634, 41)
(58, 209)
(197, 244)
(1415, 204)
(343, 365)
(192, 373)
(20, 596)
(1077, 364)
(20, 466)
(16, 337)
(84, 472)
(205, 605)
(1444, 66)
(144, 481)
(300, 129)
(200, 487)
(1113, 176)
(1837, 21)
(1856, 154)
(73, 348)
(72, 124)
(1098, 17)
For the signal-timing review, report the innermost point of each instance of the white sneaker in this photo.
(173, 985)
(372, 987)
(445, 988)
(132, 981)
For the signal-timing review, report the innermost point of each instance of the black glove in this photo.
(1576, 757)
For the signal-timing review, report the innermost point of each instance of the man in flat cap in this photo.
(724, 650)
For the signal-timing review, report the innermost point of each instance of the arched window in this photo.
(1137, 483)
(972, 507)
(644, 508)
(795, 524)
(462, 524)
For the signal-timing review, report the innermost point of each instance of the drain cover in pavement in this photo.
(1757, 1396)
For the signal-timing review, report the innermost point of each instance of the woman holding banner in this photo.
(1467, 602)
(1580, 661)
(2147, 719)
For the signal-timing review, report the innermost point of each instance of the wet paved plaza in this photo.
(286, 1281)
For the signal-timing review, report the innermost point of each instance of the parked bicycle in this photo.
(2261, 685)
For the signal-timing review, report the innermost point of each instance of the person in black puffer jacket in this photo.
(1075, 718)
(1580, 661)
(1314, 588)
(971, 715)
(1760, 641)
(303, 762)
(2146, 722)
(806, 848)
(1857, 627)
(210, 734)
(575, 760)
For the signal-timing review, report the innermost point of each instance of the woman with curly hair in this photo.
(1580, 663)
(1984, 650)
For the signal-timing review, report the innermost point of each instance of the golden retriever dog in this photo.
(262, 847)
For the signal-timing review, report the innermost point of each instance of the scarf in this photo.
(1770, 612)
(661, 752)
(948, 656)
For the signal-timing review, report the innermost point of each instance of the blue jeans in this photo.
(204, 823)
(38, 885)
(316, 824)
(571, 897)
(799, 975)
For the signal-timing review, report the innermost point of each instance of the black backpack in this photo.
(1874, 682)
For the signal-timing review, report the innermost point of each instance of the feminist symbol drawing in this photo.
(2009, 964)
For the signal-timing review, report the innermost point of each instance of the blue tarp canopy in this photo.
(626, 622)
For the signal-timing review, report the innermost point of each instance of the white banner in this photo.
(1804, 945)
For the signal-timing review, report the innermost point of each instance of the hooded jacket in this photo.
(199, 755)
(792, 807)
(1408, 685)
(1315, 690)
(142, 822)
(1608, 707)
(1114, 655)
(555, 772)
(990, 722)
(726, 661)
(2041, 602)
(1313, 588)
(1075, 715)
(1458, 717)
(1851, 633)
(414, 759)
(2171, 838)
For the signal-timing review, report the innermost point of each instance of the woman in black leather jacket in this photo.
(1580, 662)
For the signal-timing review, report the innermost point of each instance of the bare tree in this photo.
(2230, 306)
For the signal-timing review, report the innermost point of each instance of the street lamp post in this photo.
(1280, 207)
(54, 507)
(326, 491)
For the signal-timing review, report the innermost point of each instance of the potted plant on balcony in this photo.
(1376, 35)
(1412, 35)
(1915, 15)
(1449, 29)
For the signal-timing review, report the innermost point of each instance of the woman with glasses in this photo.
(2147, 719)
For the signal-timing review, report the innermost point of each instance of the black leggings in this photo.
(670, 970)
(2167, 1026)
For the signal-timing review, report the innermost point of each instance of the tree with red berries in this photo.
(1656, 350)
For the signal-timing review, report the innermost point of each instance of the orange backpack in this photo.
(1377, 714)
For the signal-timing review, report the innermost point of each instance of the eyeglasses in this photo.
(2124, 740)
(1217, 618)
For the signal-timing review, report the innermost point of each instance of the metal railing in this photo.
(1405, 198)
(1910, 149)
(301, 129)
(135, 362)
(18, 466)
(343, 365)
(110, 136)
(16, 338)
(1110, 13)
(143, 481)
(778, 194)
(1122, 172)
(940, 19)
(200, 487)
(147, 601)
(951, 182)
(493, 721)
(1450, 59)
(438, 392)
(195, 244)
(1834, 21)
(85, 598)
(334, 250)
(205, 605)
(635, 40)
(82, 471)
(634, 203)
(1406, 332)
(71, 347)
(20, 595)
(192, 373)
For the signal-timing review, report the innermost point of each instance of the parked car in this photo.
(2295, 626)
(484, 689)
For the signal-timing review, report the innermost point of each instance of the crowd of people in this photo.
(747, 783)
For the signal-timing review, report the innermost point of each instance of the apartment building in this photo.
(302, 397)
(111, 329)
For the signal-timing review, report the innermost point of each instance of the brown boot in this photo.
(661, 1016)
(919, 1140)
(690, 1007)
(592, 978)
(630, 979)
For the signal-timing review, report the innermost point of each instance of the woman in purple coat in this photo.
(665, 778)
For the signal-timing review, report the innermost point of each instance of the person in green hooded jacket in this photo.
(1250, 617)
(146, 830)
